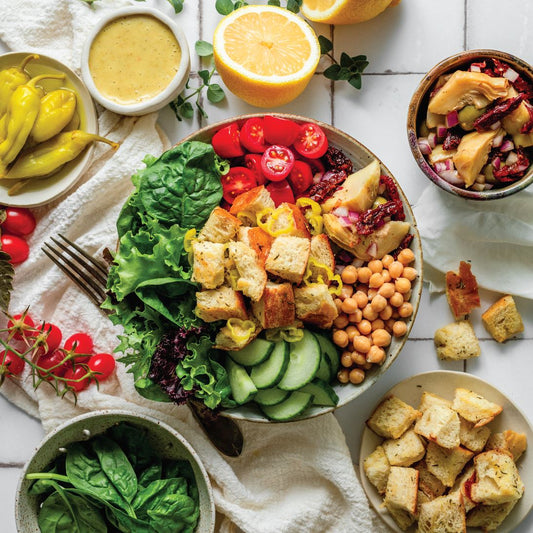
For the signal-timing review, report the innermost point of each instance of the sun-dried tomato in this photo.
(528, 126)
(496, 111)
(336, 160)
(391, 193)
(523, 87)
(406, 242)
(452, 140)
(497, 68)
(327, 185)
(510, 173)
(372, 219)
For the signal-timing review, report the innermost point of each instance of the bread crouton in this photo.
(404, 451)
(208, 264)
(321, 254)
(489, 517)
(220, 304)
(474, 408)
(252, 276)
(315, 305)
(497, 478)
(428, 483)
(457, 341)
(446, 464)
(462, 291)
(220, 227)
(377, 468)
(288, 257)
(509, 441)
(463, 484)
(404, 519)
(227, 340)
(502, 319)
(428, 399)
(276, 308)
(445, 514)
(248, 204)
(439, 424)
(258, 240)
(392, 417)
(471, 437)
(288, 218)
(402, 489)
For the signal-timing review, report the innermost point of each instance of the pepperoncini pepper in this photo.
(57, 109)
(10, 79)
(312, 213)
(268, 218)
(240, 330)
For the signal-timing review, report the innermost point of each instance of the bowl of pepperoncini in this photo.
(48, 128)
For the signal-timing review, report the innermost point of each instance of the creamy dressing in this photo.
(133, 59)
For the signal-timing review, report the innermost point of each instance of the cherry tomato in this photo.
(55, 363)
(104, 363)
(19, 221)
(16, 247)
(80, 343)
(280, 191)
(280, 130)
(13, 363)
(277, 162)
(311, 141)
(226, 142)
(253, 162)
(20, 326)
(253, 135)
(237, 181)
(48, 338)
(73, 374)
(300, 178)
(317, 167)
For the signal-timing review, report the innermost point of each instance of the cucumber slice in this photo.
(304, 359)
(293, 406)
(271, 396)
(242, 386)
(324, 370)
(269, 372)
(323, 393)
(254, 353)
(330, 352)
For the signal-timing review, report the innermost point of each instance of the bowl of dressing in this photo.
(136, 60)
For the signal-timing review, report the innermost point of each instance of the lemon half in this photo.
(344, 11)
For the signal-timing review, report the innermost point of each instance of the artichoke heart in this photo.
(513, 122)
(467, 88)
(472, 154)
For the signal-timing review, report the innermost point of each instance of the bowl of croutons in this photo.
(446, 451)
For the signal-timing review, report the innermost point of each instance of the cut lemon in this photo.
(344, 11)
(265, 55)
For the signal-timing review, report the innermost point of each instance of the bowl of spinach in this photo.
(114, 471)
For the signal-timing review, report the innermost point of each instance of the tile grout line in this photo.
(11, 465)
(332, 83)
(465, 29)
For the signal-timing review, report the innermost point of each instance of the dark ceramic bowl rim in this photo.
(446, 65)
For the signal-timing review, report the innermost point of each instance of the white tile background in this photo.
(401, 44)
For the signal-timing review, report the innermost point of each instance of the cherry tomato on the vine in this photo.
(20, 326)
(16, 247)
(253, 162)
(13, 363)
(48, 338)
(80, 343)
(18, 221)
(103, 363)
(226, 141)
(300, 177)
(277, 162)
(280, 130)
(253, 135)
(75, 378)
(237, 181)
(311, 141)
(280, 191)
(54, 363)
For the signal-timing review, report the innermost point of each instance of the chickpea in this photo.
(386, 276)
(352, 332)
(381, 337)
(407, 296)
(387, 290)
(341, 321)
(402, 285)
(378, 303)
(386, 313)
(377, 324)
(376, 266)
(356, 376)
(349, 306)
(369, 313)
(375, 281)
(361, 298)
(399, 328)
(406, 256)
(346, 292)
(338, 304)
(372, 293)
(364, 327)
(363, 274)
(396, 299)
(349, 275)
(343, 376)
(405, 310)
(361, 287)
(386, 260)
(340, 338)
(395, 314)
(389, 324)
(358, 358)
(395, 269)
(375, 355)
(346, 359)
(356, 316)
(410, 273)
(361, 344)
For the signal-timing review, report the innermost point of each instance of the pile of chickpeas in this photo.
(372, 307)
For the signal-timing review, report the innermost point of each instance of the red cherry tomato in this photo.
(54, 362)
(311, 141)
(317, 167)
(253, 162)
(73, 374)
(300, 178)
(280, 130)
(237, 181)
(103, 363)
(280, 191)
(253, 135)
(80, 343)
(19, 221)
(20, 326)
(226, 142)
(48, 338)
(16, 247)
(13, 363)
(276, 162)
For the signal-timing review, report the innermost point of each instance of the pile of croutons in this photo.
(441, 466)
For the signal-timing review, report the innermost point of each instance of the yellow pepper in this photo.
(240, 330)
(289, 334)
(334, 288)
(10, 79)
(312, 215)
(246, 217)
(57, 109)
(188, 239)
(267, 218)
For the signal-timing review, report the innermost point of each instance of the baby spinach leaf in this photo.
(127, 524)
(173, 512)
(149, 496)
(152, 473)
(133, 442)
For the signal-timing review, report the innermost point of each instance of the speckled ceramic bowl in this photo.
(167, 442)
(417, 111)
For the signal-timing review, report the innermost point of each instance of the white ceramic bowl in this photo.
(444, 383)
(43, 190)
(164, 97)
(165, 441)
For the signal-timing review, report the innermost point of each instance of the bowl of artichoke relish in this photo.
(470, 124)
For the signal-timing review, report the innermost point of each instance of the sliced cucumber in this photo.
(271, 396)
(330, 352)
(254, 353)
(269, 372)
(242, 386)
(293, 406)
(324, 370)
(304, 359)
(323, 393)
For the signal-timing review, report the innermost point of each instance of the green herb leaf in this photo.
(348, 69)
(355, 81)
(205, 76)
(274, 3)
(325, 44)
(203, 48)
(332, 72)
(224, 7)
(176, 4)
(6, 280)
(294, 5)
(215, 93)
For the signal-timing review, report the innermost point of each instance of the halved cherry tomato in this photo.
(253, 162)
(16, 247)
(80, 343)
(18, 221)
(14, 364)
(253, 135)
(280, 191)
(53, 362)
(103, 363)
(311, 141)
(280, 130)
(47, 339)
(20, 326)
(276, 163)
(73, 374)
(237, 181)
(300, 178)
(226, 141)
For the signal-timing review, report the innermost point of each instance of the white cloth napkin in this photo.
(496, 236)
(295, 477)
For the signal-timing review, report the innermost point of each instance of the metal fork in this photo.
(90, 275)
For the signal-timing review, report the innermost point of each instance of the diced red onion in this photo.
(451, 176)
(340, 212)
(511, 158)
(317, 178)
(424, 145)
(372, 250)
(497, 141)
(432, 139)
(511, 75)
(353, 216)
(507, 146)
(522, 167)
(345, 222)
(495, 126)
(475, 68)
(447, 164)
(442, 131)
(357, 262)
(452, 119)
(478, 187)
(488, 186)
(496, 163)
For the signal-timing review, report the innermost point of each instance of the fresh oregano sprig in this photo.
(225, 7)
(176, 4)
